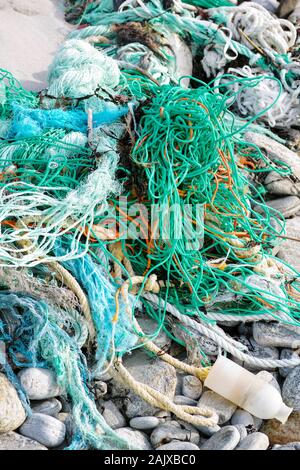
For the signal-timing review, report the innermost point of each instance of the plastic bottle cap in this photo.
(283, 413)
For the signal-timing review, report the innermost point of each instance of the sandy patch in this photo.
(30, 33)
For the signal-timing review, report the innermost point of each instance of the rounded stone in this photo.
(113, 416)
(183, 400)
(44, 429)
(242, 417)
(291, 389)
(39, 384)
(49, 407)
(12, 413)
(168, 432)
(191, 387)
(178, 445)
(144, 423)
(283, 433)
(224, 408)
(226, 439)
(137, 439)
(14, 441)
(254, 441)
(287, 354)
(290, 446)
(242, 430)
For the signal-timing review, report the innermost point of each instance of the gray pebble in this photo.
(39, 384)
(144, 423)
(289, 249)
(226, 439)
(191, 387)
(224, 408)
(257, 423)
(288, 206)
(68, 421)
(287, 354)
(163, 415)
(291, 389)
(149, 327)
(208, 430)
(100, 389)
(137, 439)
(289, 446)
(182, 400)
(14, 441)
(178, 445)
(167, 432)
(113, 416)
(242, 417)
(49, 407)
(276, 334)
(255, 350)
(12, 413)
(254, 441)
(242, 430)
(45, 429)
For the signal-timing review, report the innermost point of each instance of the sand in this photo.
(30, 33)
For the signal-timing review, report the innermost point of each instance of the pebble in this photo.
(191, 387)
(275, 184)
(149, 327)
(100, 389)
(269, 378)
(283, 433)
(226, 439)
(289, 249)
(242, 430)
(242, 417)
(39, 384)
(178, 445)
(288, 206)
(208, 430)
(144, 423)
(165, 433)
(291, 389)
(287, 354)
(254, 441)
(224, 408)
(290, 446)
(14, 441)
(255, 350)
(49, 407)
(137, 439)
(68, 421)
(183, 400)
(207, 345)
(257, 423)
(45, 429)
(276, 334)
(113, 416)
(12, 413)
(154, 372)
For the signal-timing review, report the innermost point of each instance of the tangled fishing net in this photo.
(127, 188)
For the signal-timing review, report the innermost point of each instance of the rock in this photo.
(191, 387)
(144, 423)
(100, 389)
(68, 421)
(275, 151)
(49, 407)
(276, 334)
(276, 184)
(226, 439)
(113, 416)
(13, 441)
(182, 400)
(207, 345)
(224, 408)
(255, 350)
(163, 415)
(254, 441)
(39, 384)
(269, 378)
(286, 7)
(283, 433)
(289, 249)
(291, 389)
(137, 439)
(242, 417)
(242, 430)
(257, 423)
(154, 372)
(12, 413)
(288, 206)
(165, 433)
(290, 446)
(178, 445)
(208, 430)
(287, 354)
(149, 327)
(45, 429)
